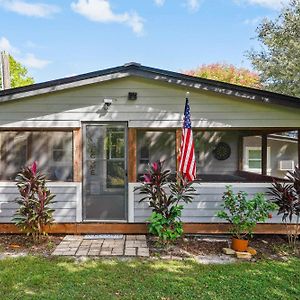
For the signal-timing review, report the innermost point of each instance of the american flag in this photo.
(187, 162)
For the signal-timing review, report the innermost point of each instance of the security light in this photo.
(107, 103)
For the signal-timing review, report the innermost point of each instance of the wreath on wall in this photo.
(222, 151)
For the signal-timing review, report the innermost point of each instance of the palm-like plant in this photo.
(34, 210)
(163, 197)
(160, 192)
(287, 198)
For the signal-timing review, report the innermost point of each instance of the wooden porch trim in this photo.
(298, 148)
(264, 154)
(132, 156)
(77, 152)
(141, 228)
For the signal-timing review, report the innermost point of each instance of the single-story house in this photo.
(94, 134)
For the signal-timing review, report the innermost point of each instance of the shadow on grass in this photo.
(38, 278)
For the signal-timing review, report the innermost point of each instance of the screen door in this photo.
(105, 180)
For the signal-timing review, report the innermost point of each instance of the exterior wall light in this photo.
(107, 103)
(132, 96)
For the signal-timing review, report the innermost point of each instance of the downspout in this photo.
(5, 73)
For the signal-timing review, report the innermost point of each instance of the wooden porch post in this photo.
(264, 154)
(177, 145)
(298, 148)
(77, 166)
(240, 153)
(132, 142)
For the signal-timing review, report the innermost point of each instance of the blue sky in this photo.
(56, 39)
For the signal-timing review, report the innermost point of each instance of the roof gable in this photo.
(134, 69)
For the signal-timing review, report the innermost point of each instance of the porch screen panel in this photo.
(283, 154)
(216, 155)
(153, 146)
(52, 150)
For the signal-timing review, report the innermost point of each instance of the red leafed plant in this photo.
(287, 197)
(165, 197)
(34, 210)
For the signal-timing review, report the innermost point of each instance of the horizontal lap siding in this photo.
(65, 202)
(157, 105)
(205, 205)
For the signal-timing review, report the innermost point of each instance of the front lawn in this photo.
(40, 278)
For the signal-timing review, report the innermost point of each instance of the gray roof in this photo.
(135, 69)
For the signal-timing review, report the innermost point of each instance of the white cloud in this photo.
(192, 5)
(159, 2)
(30, 44)
(31, 61)
(253, 22)
(100, 11)
(21, 7)
(273, 4)
(5, 45)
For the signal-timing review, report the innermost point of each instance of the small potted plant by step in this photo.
(243, 214)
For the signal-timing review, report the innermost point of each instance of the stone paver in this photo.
(129, 245)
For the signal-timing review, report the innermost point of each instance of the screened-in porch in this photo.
(225, 155)
(241, 155)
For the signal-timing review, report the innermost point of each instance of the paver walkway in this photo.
(127, 245)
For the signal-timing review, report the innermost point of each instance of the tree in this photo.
(18, 74)
(278, 63)
(227, 73)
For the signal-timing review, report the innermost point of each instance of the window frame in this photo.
(247, 158)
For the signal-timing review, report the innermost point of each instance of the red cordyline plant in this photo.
(287, 197)
(34, 210)
(164, 196)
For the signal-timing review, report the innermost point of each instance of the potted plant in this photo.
(243, 214)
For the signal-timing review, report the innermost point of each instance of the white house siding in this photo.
(67, 206)
(158, 105)
(206, 203)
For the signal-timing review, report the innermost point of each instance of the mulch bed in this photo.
(267, 246)
(17, 243)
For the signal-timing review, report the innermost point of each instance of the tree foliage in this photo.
(18, 74)
(279, 60)
(227, 73)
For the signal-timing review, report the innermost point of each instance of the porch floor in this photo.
(126, 245)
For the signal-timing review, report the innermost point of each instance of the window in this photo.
(253, 162)
(116, 143)
(53, 151)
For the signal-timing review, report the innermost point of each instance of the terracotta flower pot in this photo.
(239, 245)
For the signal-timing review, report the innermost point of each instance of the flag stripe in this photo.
(187, 161)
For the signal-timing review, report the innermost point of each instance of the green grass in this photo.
(40, 278)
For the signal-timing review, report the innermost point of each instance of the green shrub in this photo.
(243, 214)
(167, 229)
(34, 210)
